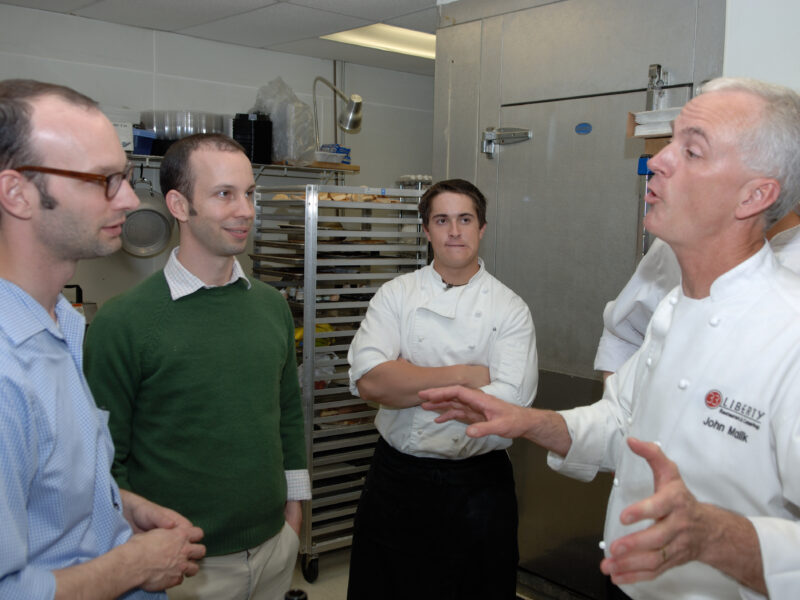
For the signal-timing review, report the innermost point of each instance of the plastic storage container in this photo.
(143, 141)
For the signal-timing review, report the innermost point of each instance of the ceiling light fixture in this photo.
(390, 39)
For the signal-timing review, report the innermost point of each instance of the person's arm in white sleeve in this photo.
(625, 319)
(377, 371)
(597, 430)
(513, 363)
(779, 539)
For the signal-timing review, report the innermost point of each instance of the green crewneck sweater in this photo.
(204, 403)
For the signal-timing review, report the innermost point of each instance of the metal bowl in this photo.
(176, 124)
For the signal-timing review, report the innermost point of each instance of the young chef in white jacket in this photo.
(700, 425)
(438, 514)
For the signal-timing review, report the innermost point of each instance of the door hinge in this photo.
(504, 135)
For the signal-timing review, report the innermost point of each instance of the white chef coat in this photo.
(625, 319)
(416, 317)
(716, 384)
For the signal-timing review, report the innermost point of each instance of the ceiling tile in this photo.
(425, 20)
(291, 26)
(62, 6)
(275, 24)
(354, 54)
(374, 10)
(168, 16)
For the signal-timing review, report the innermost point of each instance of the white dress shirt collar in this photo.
(182, 282)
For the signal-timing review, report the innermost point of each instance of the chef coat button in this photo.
(478, 314)
(649, 361)
(484, 290)
(630, 420)
(673, 300)
(602, 545)
(472, 346)
(714, 321)
(683, 384)
(616, 481)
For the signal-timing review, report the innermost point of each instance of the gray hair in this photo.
(772, 145)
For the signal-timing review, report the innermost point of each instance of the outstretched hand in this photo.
(682, 524)
(485, 414)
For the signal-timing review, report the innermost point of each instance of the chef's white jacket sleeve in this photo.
(598, 431)
(625, 319)
(513, 363)
(780, 538)
(378, 337)
(780, 555)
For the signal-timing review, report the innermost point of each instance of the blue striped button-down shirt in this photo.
(59, 505)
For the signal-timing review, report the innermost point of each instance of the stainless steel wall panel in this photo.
(464, 11)
(583, 47)
(709, 40)
(456, 101)
(489, 116)
(567, 220)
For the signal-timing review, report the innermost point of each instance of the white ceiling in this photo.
(292, 26)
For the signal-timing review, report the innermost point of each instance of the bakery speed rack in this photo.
(328, 249)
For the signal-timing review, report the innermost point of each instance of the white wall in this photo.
(762, 41)
(143, 69)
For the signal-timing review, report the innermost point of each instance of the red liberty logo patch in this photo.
(713, 399)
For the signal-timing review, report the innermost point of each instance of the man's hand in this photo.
(483, 413)
(684, 530)
(294, 515)
(487, 415)
(154, 560)
(165, 556)
(167, 540)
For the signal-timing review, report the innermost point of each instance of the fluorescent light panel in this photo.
(390, 39)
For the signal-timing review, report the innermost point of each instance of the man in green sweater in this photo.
(197, 367)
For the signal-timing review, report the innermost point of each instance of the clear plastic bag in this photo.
(329, 371)
(293, 139)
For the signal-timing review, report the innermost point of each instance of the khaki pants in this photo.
(261, 573)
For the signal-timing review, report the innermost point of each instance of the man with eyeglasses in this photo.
(66, 530)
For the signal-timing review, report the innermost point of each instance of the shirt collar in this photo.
(182, 282)
(22, 317)
(742, 275)
(438, 278)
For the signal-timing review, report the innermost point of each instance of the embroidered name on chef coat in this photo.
(746, 414)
